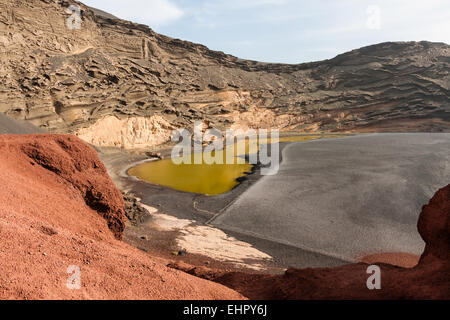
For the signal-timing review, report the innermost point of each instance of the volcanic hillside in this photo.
(117, 74)
(60, 209)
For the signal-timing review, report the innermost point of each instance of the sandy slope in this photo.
(51, 185)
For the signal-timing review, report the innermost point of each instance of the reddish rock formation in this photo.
(399, 259)
(434, 228)
(78, 164)
(430, 279)
(53, 189)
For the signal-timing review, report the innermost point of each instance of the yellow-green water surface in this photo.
(209, 179)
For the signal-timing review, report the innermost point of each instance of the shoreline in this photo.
(200, 209)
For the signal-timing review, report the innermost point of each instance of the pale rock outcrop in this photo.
(127, 133)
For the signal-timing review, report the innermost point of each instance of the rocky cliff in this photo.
(74, 80)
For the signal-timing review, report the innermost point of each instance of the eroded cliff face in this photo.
(70, 80)
(128, 133)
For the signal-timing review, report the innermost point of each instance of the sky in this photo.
(288, 31)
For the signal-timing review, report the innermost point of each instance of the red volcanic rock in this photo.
(399, 259)
(430, 279)
(53, 189)
(434, 228)
(78, 164)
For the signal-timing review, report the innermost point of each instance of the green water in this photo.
(208, 179)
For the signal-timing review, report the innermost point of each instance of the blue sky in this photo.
(288, 31)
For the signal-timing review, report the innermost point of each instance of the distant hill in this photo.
(102, 13)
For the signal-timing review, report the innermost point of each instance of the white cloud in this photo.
(256, 3)
(150, 12)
